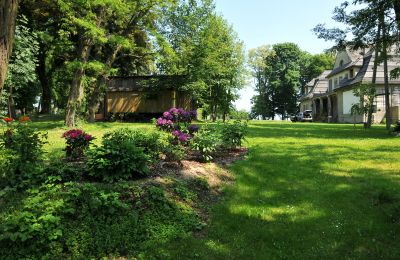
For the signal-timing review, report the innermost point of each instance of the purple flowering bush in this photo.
(178, 122)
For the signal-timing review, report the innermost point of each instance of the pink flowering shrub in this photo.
(77, 142)
(177, 122)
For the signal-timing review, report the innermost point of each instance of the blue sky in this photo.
(260, 22)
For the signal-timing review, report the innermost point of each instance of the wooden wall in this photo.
(145, 102)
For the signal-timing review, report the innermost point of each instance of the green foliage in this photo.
(239, 114)
(37, 223)
(201, 44)
(117, 161)
(280, 73)
(233, 134)
(206, 141)
(21, 82)
(23, 146)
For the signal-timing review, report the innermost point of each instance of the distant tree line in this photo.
(280, 73)
(65, 51)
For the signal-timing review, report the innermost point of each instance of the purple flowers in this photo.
(193, 128)
(177, 122)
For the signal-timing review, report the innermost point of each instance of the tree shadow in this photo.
(300, 200)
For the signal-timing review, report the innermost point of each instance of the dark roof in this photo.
(146, 83)
(319, 85)
(366, 72)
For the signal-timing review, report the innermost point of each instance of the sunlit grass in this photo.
(307, 191)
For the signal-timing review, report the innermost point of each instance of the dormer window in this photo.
(351, 73)
(341, 63)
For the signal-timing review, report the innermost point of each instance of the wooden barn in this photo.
(144, 96)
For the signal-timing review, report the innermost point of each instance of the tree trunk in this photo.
(377, 49)
(11, 106)
(8, 15)
(386, 74)
(94, 99)
(76, 91)
(45, 102)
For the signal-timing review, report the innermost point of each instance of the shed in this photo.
(147, 96)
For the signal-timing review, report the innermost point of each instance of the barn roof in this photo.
(146, 83)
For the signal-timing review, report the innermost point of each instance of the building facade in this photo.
(331, 96)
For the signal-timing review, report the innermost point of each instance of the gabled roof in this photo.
(319, 86)
(355, 60)
(145, 83)
(365, 73)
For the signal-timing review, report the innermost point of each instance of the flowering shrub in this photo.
(174, 118)
(177, 122)
(77, 142)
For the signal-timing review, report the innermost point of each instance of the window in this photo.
(351, 73)
(336, 83)
(341, 63)
(330, 85)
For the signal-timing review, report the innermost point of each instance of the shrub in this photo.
(206, 141)
(233, 134)
(120, 157)
(77, 142)
(24, 149)
(174, 118)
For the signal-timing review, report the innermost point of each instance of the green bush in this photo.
(116, 161)
(206, 141)
(233, 134)
(37, 223)
(23, 147)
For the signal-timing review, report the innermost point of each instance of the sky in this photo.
(260, 22)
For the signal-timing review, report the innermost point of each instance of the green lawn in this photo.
(307, 191)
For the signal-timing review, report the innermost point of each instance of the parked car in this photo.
(305, 116)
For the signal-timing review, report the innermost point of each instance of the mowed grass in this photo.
(306, 191)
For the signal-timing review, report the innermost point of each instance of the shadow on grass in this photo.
(304, 201)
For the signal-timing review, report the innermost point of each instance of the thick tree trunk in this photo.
(8, 15)
(45, 102)
(76, 91)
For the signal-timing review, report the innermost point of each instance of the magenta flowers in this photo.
(177, 122)
(77, 142)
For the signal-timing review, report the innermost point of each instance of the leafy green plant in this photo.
(24, 148)
(38, 222)
(233, 134)
(206, 141)
(124, 153)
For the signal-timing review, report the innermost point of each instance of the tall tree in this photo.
(8, 16)
(127, 33)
